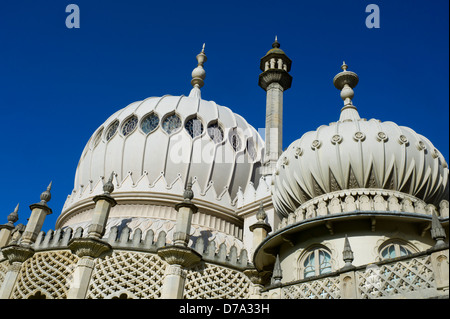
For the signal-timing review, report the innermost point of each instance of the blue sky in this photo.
(57, 85)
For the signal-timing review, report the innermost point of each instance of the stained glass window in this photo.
(215, 132)
(194, 127)
(150, 123)
(316, 263)
(112, 130)
(394, 250)
(97, 138)
(129, 125)
(251, 149)
(235, 140)
(171, 124)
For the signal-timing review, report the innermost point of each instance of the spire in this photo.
(198, 75)
(277, 273)
(347, 254)
(188, 194)
(437, 231)
(108, 188)
(13, 217)
(46, 195)
(345, 81)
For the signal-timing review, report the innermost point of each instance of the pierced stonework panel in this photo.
(3, 271)
(207, 281)
(138, 275)
(326, 288)
(47, 274)
(399, 278)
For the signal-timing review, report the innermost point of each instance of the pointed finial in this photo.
(437, 231)
(347, 254)
(277, 274)
(108, 188)
(13, 217)
(198, 74)
(46, 195)
(261, 214)
(188, 194)
(345, 81)
(276, 44)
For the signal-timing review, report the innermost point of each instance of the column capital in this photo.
(90, 247)
(17, 253)
(179, 255)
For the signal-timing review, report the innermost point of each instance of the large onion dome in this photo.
(354, 153)
(154, 146)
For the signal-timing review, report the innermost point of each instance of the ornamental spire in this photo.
(198, 75)
(345, 81)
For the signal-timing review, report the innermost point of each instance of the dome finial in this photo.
(345, 81)
(198, 74)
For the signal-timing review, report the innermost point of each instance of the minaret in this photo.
(274, 79)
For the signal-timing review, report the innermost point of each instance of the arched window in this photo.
(171, 123)
(393, 249)
(194, 127)
(316, 262)
(150, 123)
(129, 125)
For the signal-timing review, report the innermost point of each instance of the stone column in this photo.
(260, 229)
(16, 255)
(103, 205)
(179, 256)
(91, 247)
(6, 229)
(274, 80)
(38, 213)
(439, 258)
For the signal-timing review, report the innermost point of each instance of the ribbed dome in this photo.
(354, 153)
(359, 154)
(165, 140)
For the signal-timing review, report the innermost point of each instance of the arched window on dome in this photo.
(235, 140)
(112, 130)
(150, 123)
(215, 132)
(97, 138)
(194, 127)
(129, 125)
(171, 123)
(395, 248)
(317, 261)
(251, 149)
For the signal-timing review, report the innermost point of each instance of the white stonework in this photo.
(197, 207)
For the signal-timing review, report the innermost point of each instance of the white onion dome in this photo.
(354, 153)
(154, 146)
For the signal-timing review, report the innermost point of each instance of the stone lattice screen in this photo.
(47, 274)
(126, 273)
(208, 281)
(324, 288)
(3, 270)
(400, 278)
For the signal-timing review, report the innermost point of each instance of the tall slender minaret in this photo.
(274, 79)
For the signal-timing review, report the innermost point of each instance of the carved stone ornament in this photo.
(402, 139)
(336, 139)
(381, 137)
(90, 247)
(298, 151)
(420, 145)
(16, 253)
(359, 136)
(315, 144)
(179, 255)
(257, 277)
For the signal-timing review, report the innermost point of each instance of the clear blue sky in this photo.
(57, 85)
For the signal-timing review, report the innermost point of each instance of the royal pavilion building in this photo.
(176, 197)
